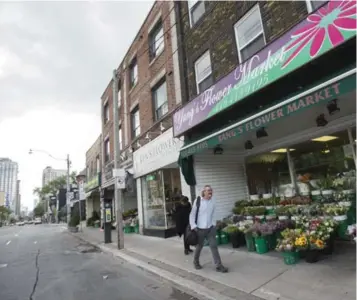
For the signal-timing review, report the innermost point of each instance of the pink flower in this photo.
(328, 21)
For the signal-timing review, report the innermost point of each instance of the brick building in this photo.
(149, 92)
(93, 177)
(242, 61)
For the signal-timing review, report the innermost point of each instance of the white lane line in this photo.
(16, 234)
(8, 242)
(35, 242)
(3, 266)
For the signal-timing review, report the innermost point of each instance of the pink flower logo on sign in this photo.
(328, 22)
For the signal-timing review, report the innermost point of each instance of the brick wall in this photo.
(215, 31)
(91, 158)
(148, 72)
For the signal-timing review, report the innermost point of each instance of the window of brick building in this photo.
(135, 122)
(133, 72)
(106, 113)
(313, 5)
(159, 96)
(156, 40)
(203, 71)
(249, 34)
(106, 150)
(196, 11)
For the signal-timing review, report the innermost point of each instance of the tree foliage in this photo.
(4, 213)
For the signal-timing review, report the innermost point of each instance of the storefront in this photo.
(159, 184)
(288, 111)
(92, 191)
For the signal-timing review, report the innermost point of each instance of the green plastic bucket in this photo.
(224, 239)
(127, 229)
(342, 229)
(249, 240)
(291, 257)
(136, 229)
(261, 245)
(272, 241)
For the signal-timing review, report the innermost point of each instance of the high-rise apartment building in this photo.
(18, 199)
(8, 181)
(50, 174)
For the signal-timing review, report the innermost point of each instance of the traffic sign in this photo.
(119, 175)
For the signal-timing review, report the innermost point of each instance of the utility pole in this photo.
(118, 196)
(68, 202)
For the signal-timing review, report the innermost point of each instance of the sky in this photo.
(56, 59)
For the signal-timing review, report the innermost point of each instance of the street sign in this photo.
(119, 175)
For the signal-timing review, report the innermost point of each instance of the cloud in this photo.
(56, 59)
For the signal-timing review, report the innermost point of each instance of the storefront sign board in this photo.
(320, 96)
(159, 153)
(333, 24)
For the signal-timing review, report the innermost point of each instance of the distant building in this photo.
(18, 199)
(8, 181)
(2, 198)
(49, 174)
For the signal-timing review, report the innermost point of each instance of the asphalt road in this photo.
(43, 262)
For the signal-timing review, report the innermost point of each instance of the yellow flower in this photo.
(320, 244)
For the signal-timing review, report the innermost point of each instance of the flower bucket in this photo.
(136, 228)
(312, 256)
(224, 238)
(254, 197)
(248, 217)
(267, 196)
(127, 229)
(316, 196)
(294, 218)
(345, 203)
(291, 257)
(261, 245)
(281, 218)
(272, 241)
(270, 217)
(342, 226)
(234, 239)
(261, 218)
(249, 240)
(328, 250)
(351, 215)
(241, 239)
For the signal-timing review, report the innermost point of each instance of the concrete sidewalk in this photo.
(250, 274)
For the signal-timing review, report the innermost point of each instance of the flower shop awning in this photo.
(319, 94)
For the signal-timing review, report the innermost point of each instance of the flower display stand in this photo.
(261, 245)
(291, 257)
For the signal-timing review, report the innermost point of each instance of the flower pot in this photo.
(267, 196)
(270, 217)
(261, 245)
(345, 203)
(291, 257)
(312, 256)
(249, 240)
(294, 218)
(254, 197)
(316, 196)
(272, 241)
(281, 218)
(136, 229)
(305, 194)
(241, 239)
(249, 217)
(127, 229)
(260, 217)
(342, 227)
(328, 250)
(340, 218)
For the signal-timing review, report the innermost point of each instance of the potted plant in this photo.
(287, 246)
(261, 231)
(315, 245)
(233, 232)
(326, 187)
(246, 228)
(258, 212)
(282, 213)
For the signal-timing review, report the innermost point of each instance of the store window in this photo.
(156, 40)
(327, 156)
(135, 122)
(203, 71)
(249, 34)
(161, 191)
(196, 11)
(313, 5)
(133, 72)
(159, 95)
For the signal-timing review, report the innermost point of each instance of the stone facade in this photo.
(93, 159)
(215, 31)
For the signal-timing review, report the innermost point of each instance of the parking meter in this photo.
(107, 213)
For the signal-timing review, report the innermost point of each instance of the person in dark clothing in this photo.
(182, 215)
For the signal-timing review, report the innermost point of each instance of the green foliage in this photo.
(4, 213)
(74, 221)
(39, 210)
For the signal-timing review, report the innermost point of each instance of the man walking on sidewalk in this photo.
(206, 228)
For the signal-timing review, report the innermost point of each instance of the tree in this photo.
(39, 210)
(4, 213)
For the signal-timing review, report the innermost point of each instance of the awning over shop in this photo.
(319, 94)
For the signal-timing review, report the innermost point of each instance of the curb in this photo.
(184, 284)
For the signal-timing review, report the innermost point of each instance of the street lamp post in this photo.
(80, 181)
(68, 176)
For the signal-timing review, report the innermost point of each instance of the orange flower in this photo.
(320, 244)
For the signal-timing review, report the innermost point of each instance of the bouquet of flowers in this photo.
(288, 240)
(262, 229)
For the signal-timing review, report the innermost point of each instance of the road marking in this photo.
(16, 234)
(35, 242)
(3, 266)
(8, 242)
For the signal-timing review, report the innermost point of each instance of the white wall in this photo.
(226, 174)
